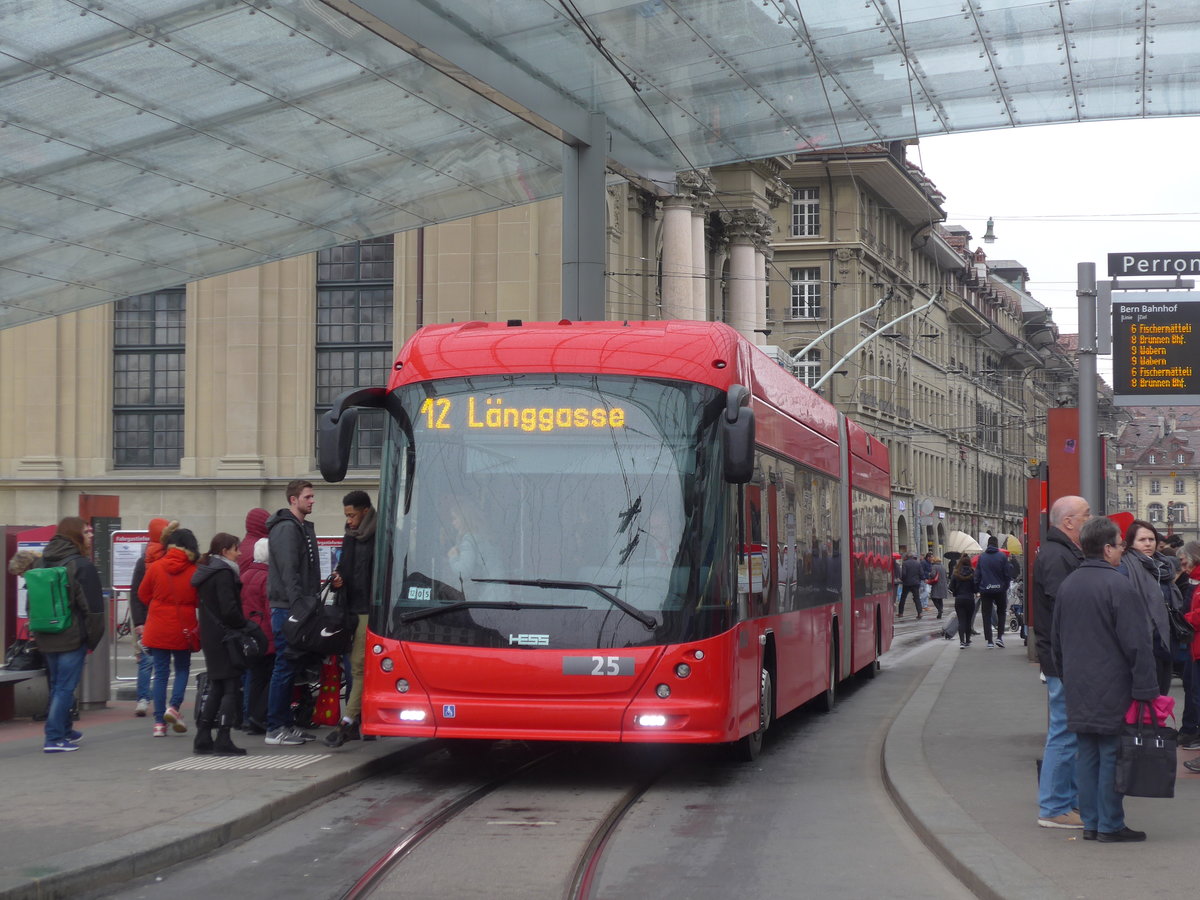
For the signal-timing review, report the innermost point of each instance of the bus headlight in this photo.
(652, 720)
(683, 670)
(402, 685)
(412, 715)
(663, 691)
(387, 664)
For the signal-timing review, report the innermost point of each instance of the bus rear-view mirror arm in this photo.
(336, 430)
(737, 435)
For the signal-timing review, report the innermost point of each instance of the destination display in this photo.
(470, 411)
(1156, 345)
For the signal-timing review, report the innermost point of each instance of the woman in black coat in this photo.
(962, 585)
(219, 588)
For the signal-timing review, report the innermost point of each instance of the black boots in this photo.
(203, 742)
(345, 731)
(224, 746)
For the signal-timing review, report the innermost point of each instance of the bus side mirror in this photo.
(335, 431)
(737, 436)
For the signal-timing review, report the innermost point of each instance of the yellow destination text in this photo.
(492, 413)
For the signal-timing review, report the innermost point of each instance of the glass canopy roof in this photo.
(145, 143)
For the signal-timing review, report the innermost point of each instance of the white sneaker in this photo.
(143, 707)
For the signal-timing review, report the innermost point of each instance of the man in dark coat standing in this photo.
(294, 570)
(1101, 644)
(353, 575)
(910, 583)
(1057, 558)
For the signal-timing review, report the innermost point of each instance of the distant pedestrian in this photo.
(218, 586)
(157, 531)
(992, 577)
(294, 571)
(1059, 556)
(962, 585)
(255, 606)
(1101, 643)
(910, 583)
(66, 651)
(256, 529)
(939, 583)
(353, 576)
(171, 633)
(1189, 725)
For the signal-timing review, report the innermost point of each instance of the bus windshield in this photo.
(552, 510)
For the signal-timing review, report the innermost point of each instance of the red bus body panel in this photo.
(523, 693)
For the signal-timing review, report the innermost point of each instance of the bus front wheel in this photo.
(748, 748)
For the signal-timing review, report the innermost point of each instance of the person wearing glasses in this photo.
(1058, 557)
(1101, 644)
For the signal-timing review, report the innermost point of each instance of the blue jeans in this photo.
(279, 695)
(162, 672)
(145, 672)
(1100, 806)
(1057, 793)
(63, 671)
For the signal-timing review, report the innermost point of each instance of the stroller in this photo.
(1016, 612)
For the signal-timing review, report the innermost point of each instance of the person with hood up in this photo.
(255, 606)
(65, 652)
(294, 571)
(219, 586)
(171, 631)
(256, 529)
(159, 530)
(992, 577)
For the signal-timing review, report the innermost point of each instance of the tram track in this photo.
(549, 809)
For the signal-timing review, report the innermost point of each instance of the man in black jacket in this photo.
(910, 582)
(353, 575)
(1101, 644)
(992, 577)
(294, 570)
(1057, 558)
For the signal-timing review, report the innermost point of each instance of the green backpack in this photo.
(48, 595)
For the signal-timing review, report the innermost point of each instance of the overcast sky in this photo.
(1065, 194)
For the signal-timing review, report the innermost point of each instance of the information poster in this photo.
(127, 548)
(330, 551)
(22, 601)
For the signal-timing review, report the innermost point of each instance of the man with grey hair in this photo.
(1101, 643)
(1057, 558)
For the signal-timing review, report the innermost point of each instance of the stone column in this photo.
(703, 188)
(747, 309)
(677, 258)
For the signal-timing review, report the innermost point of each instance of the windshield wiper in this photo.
(644, 617)
(479, 604)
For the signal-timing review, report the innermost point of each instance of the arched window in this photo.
(1156, 512)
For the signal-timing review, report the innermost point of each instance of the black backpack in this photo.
(319, 624)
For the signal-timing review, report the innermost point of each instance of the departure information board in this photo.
(1156, 349)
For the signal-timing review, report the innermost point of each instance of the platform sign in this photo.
(1156, 349)
(1121, 265)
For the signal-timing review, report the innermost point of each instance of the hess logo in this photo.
(529, 640)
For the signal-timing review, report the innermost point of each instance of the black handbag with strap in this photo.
(1146, 756)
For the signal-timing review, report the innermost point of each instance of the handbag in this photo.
(23, 655)
(245, 645)
(1182, 631)
(1146, 758)
(192, 636)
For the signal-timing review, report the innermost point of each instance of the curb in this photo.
(192, 835)
(956, 839)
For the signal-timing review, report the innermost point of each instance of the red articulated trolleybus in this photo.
(613, 531)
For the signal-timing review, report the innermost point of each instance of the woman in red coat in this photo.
(171, 632)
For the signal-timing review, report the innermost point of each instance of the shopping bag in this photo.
(1146, 759)
(328, 710)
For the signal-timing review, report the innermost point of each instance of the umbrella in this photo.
(961, 542)
(1010, 543)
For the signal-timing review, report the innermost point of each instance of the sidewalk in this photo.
(960, 760)
(126, 804)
